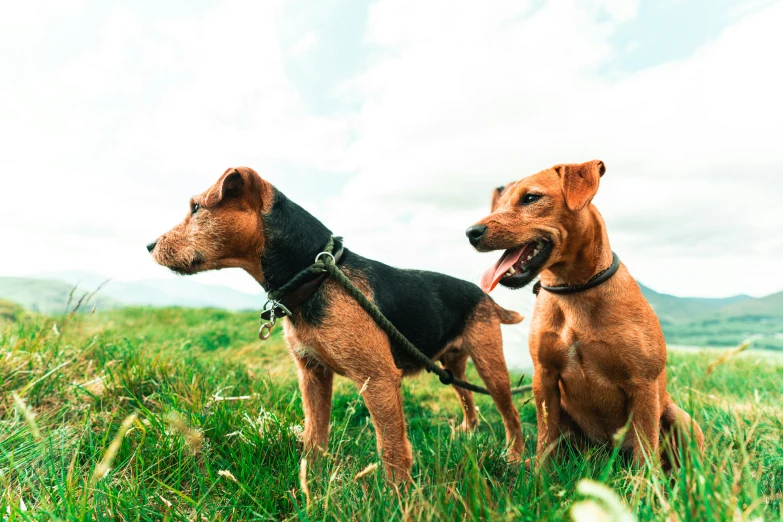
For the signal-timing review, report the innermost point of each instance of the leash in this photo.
(597, 279)
(325, 265)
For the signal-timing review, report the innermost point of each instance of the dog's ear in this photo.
(496, 197)
(230, 184)
(498, 193)
(580, 182)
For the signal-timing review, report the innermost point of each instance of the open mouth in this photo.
(517, 266)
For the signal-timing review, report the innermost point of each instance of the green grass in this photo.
(188, 455)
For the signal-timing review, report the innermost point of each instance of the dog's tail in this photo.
(506, 316)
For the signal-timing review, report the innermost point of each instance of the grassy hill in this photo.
(760, 318)
(698, 321)
(213, 417)
(673, 309)
(47, 296)
(178, 291)
(10, 312)
(762, 308)
(48, 293)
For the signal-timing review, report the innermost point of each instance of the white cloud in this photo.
(107, 134)
(303, 45)
(110, 142)
(464, 98)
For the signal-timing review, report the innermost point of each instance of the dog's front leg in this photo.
(381, 393)
(547, 395)
(315, 382)
(645, 421)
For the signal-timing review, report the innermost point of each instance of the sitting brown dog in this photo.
(597, 347)
(243, 221)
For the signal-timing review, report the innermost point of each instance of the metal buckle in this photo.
(283, 309)
(325, 254)
(269, 318)
(265, 332)
(272, 308)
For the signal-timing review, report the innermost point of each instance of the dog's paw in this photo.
(467, 427)
(514, 458)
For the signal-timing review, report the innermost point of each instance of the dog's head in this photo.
(530, 221)
(224, 227)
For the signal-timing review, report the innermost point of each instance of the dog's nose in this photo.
(151, 246)
(475, 233)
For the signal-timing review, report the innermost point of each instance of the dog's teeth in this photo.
(511, 271)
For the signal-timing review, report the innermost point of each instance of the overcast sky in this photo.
(392, 121)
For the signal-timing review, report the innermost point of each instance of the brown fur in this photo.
(222, 234)
(230, 232)
(362, 353)
(599, 355)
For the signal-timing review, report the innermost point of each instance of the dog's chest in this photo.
(304, 343)
(575, 352)
(590, 370)
(556, 338)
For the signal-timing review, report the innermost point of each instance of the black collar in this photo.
(305, 283)
(597, 279)
(282, 301)
(299, 295)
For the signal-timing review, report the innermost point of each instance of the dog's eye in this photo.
(527, 199)
(195, 208)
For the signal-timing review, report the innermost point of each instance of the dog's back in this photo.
(430, 309)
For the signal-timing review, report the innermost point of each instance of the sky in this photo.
(392, 121)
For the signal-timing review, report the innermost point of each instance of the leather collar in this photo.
(597, 279)
(296, 297)
(298, 290)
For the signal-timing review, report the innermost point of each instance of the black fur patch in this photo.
(293, 238)
(428, 308)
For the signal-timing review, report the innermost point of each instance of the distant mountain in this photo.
(721, 322)
(761, 308)
(673, 309)
(164, 292)
(49, 293)
(49, 296)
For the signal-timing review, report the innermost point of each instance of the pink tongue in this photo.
(492, 276)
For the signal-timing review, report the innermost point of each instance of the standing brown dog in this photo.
(599, 354)
(243, 221)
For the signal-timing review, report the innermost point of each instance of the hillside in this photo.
(673, 309)
(758, 318)
(10, 312)
(762, 308)
(44, 293)
(48, 296)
